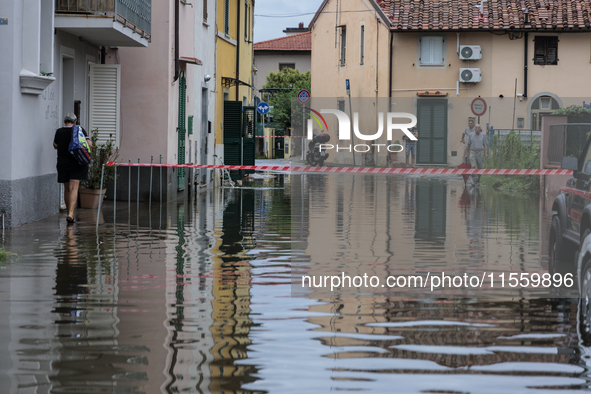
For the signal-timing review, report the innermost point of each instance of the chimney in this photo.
(301, 25)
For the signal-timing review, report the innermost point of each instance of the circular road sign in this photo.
(304, 96)
(478, 106)
(263, 108)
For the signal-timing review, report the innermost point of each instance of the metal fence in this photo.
(529, 137)
(567, 139)
(137, 12)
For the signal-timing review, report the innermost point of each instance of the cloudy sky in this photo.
(273, 16)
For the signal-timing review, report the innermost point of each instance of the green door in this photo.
(432, 125)
(232, 133)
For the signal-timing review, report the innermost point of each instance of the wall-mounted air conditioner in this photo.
(470, 75)
(470, 52)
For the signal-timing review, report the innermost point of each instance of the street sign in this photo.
(478, 106)
(304, 96)
(262, 108)
(348, 87)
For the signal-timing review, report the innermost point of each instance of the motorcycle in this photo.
(314, 156)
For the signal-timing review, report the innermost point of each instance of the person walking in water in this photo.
(69, 171)
(476, 150)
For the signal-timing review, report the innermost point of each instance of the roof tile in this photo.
(497, 14)
(294, 42)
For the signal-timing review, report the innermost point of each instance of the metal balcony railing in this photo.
(136, 12)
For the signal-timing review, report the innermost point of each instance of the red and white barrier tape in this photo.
(362, 170)
(279, 136)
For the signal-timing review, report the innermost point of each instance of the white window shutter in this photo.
(105, 98)
(426, 50)
(437, 43)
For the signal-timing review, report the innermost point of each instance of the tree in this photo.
(281, 100)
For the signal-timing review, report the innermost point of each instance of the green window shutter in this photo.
(232, 132)
(190, 125)
(227, 16)
(181, 128)
(432, 124)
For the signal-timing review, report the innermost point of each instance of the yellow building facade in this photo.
(234, 59)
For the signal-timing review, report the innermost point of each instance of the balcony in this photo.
(125, 23)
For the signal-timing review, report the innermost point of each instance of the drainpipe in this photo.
(176, 40)
(525, 65)
(390, 71)
(238, 51)
(526, 37)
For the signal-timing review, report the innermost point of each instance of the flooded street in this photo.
(203, 295)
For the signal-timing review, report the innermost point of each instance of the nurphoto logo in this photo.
(344, 131)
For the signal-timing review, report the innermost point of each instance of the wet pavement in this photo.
(195, 296)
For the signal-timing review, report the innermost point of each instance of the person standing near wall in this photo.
(467, 131)
(476, 147)
(411, 146)
(69, 172)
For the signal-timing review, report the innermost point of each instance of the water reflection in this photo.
(198, 299)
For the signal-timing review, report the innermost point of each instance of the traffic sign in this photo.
(478, 106)
(304, 96)
(262, 108)
(348, 87)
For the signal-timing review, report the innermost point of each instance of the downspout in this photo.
(176, 40)
(526, 36)
(525, 65)
(390, 74)
(238, 52)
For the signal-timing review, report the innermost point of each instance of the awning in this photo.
(191, 60)
(228, 82)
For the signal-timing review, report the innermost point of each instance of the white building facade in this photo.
(51, 65)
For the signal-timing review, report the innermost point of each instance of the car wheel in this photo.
(585, 290)
(584, 322)
(557, 252)
(585, 235)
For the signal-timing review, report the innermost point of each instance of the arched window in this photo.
(542, 105)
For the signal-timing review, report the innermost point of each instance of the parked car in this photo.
(571, 221)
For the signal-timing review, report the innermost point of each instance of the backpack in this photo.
(79, 147)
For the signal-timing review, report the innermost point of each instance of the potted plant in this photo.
(394, 155)
(101, 154)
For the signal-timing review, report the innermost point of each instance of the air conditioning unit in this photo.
(470, 75)
(470, 52)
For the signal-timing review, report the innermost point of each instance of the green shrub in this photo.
(513, 153)
(101, 154)
(4, 255)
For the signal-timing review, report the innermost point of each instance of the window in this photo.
(286, 65)
(546, 50)
(362, 45)
(227, 17)
(205, 11)
(343, 44)
(246, 20)
(431, 51)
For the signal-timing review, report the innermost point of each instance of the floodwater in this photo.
(196, 296)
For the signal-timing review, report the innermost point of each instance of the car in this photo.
(571, 220)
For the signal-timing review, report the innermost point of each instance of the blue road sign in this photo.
(348, 86)
(263, 108)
